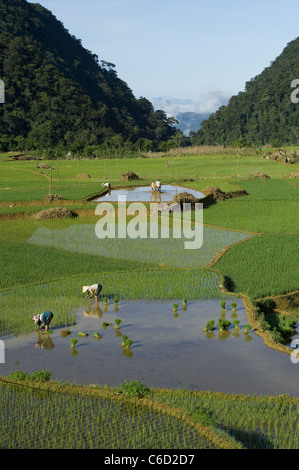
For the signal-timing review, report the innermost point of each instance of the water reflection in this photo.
(146, 194)
(44, 341)
(169, 350)
(95, 312)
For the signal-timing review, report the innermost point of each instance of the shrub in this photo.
(41, 376)
(19, 375)
(36, 376)
(134, 389)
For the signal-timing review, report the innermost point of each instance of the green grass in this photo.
(265, 265)
(35, 278)
(61, 416)
(271, 206)
(64, 296)
(167, 251)
(25, 264)
(26, 183)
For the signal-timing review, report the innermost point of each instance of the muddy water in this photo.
(145, 194)
(169, 350)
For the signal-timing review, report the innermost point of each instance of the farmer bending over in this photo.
(91, 291)
(43, 320)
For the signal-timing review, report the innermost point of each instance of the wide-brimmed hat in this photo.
(85, 288)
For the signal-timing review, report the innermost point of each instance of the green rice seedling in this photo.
(65, 333)
(81, 333)
(184, 302)
(247, 328)
(116, 304)
(106, 324)
(97, 335)
(236, 324)
(118, 321)
(105, 300)
(203, 417)
(124, 338)
(74, 341)
(128, 343)
(209, 326)
(223, 324)
(223, 304)
(234, 306)
(175, 307)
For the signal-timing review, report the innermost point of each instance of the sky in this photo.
(182, 55)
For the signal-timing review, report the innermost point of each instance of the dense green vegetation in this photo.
(271, 206)
(47, 262)
(71, 252)
(253, 267)
(263, 113)
(55, 264)
(60, 97)
(129, 417)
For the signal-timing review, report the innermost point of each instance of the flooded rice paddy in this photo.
(145, 194)
(169, 350)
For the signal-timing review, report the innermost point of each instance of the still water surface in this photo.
(169, 351)
(145, 194)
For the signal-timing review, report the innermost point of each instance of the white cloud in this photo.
(210, 100)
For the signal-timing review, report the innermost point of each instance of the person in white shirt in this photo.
(93, 290)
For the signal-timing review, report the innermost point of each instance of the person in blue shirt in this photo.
(43, 320)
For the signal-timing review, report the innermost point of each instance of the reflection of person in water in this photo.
(44, 342)
(95, 312)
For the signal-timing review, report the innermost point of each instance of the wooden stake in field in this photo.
(51, 181)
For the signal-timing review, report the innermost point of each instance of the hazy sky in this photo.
(193, 54)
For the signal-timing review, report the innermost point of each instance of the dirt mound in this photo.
(20, 157)
(185, 197)
(54, 213)
(260, 175)
(83, 175)
(130, 176)
(294, 175)
(215, 193)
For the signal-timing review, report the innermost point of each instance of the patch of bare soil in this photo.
(130, 176)
(294, 175)
(53, 197)
(54, 213)
(83, 175)
(21, 157)
(260, 175)
(45, 166)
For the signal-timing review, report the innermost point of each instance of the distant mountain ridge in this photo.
(190, 122)
(58, 94)
(264, 112)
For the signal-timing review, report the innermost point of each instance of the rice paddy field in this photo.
(250, 253)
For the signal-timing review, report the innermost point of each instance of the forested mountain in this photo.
(59, 94)
(264, 112)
